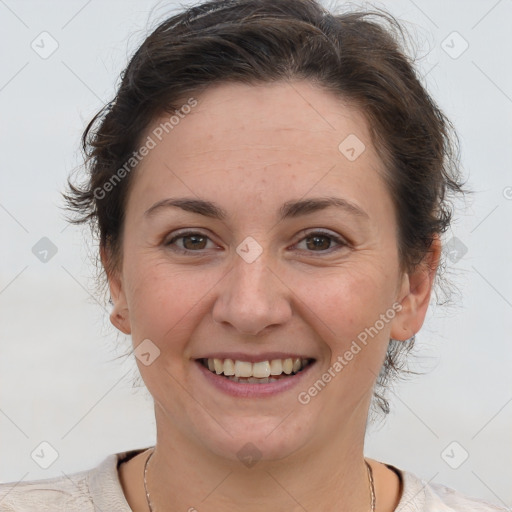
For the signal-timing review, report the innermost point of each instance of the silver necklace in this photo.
(368, 468)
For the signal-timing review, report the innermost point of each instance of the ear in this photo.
(414, 294)
(120, 314)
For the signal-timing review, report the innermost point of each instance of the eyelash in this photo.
(185, 234)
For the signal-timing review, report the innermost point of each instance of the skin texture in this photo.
(250, 149)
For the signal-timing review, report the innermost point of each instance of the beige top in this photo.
(99, 489)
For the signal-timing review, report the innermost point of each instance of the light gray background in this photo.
(59, 380)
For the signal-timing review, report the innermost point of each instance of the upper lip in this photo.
(254, 358)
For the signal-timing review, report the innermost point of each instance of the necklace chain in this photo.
(145, 483)
(372, 486)
(368, 468)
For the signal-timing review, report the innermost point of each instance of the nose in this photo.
(252, 297)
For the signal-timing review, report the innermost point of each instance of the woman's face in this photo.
(268, 281)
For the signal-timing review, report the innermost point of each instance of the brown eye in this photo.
(190, 242)
(322, 242)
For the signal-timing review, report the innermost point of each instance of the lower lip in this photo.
(253, 390)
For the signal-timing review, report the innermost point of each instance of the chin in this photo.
(251, 440)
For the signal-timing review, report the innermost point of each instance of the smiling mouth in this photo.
(262, 372)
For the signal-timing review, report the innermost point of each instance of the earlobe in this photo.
(120, 319)
(414, 294)
(120, 314)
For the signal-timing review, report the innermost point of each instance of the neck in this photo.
(320, 477)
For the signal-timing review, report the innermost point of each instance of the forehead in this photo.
(279, 138)
(261, 116)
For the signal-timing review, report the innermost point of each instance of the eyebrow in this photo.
(290, 209)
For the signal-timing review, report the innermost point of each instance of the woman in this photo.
(269, 187)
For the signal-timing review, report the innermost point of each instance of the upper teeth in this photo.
(261, 369)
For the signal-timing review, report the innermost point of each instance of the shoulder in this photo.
(59, 493)
(457, 501)
(85, 491)
(421, 496)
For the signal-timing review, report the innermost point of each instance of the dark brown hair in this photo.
(358, 55)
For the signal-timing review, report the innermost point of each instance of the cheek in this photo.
(350, 302)
(351, 298)
(163, 300)
(357, 338)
